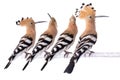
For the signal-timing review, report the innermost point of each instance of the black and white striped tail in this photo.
(24, 44)
(83, 45)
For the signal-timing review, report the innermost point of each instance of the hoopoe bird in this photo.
(64, 42)
(27, 41)
(88, 38)
(45, 41)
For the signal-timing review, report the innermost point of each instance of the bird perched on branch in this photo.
(45, 41)
(64, 42)
(27, 41)
(88, 38)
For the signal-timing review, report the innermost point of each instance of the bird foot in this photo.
(88, 53)
(67, 54)
(46, 54)
(30, 58)
(27, 55)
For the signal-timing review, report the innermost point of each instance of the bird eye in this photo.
(31, 23)
(90, 17)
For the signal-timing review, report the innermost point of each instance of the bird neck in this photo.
(90, 24)
(72, 27)
(90, 27)
(31, 32)
(52, 29)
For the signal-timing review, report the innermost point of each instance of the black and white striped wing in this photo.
(24, 45)
(64, 42)
(85, 44)
(43, 44)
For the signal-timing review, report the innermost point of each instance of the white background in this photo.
(86, 68)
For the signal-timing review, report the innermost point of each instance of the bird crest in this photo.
(25, 22)
(86, 11)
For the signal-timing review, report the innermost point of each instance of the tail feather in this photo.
(44, 65)
(29, 59)
(25, 65)
(8, 64)
(11, 58)
(69, 68)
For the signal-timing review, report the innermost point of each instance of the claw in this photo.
(67, 54)
(46, 54)
(88, 53)
(91, 52)
(27, 54)
(30, 58)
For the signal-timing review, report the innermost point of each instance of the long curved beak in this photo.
(101, 16)
(40, 22)
(49, 15)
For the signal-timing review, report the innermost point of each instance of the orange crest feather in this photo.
(87, 10)
(25, 22)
